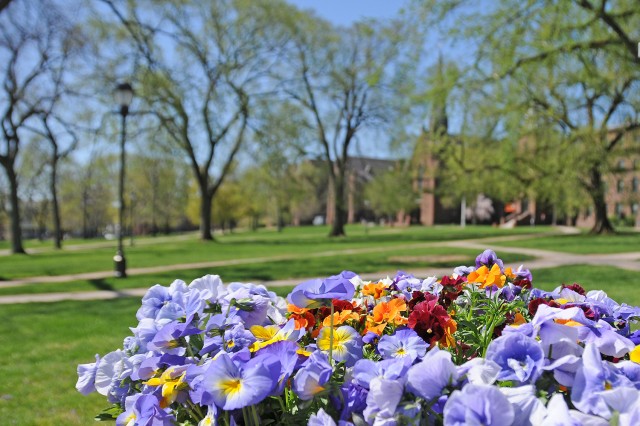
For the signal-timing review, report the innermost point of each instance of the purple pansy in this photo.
(382, 401)
(478, 405)
(403, 343)
(366, 370)
(144, 409)
(87, 377)
(428, 378)
(593, 379)
(163, 302)
(312, 376)
(321, 418)
(286, 352)
(488, 258)
(528, 409)
(317, 292)
(347, 344)
(167, 339)
(231, 386)
(210, 287)
(520, 357)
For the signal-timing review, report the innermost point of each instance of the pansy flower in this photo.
(87, 377)
(347, 344)
(428, 378)
(231, 386)
(143, 409)
(487, 277)
(272, 333)
(366, 370)
(375, 290)
(390, 312)
(403, 343)
(382, 401)
(315, 293)
(478, 405)
(303, 318)
(432, 322)
(520, 357)
(312, 377)
(594, 378)
(172, 381)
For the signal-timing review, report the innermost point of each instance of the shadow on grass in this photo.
(101, 284)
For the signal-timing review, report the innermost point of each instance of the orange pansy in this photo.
(339, 318)
(390, 312)
(376, 290)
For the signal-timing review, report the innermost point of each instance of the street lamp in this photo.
(123, 96)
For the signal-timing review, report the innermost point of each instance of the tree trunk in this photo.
(339, 208)
(57, 231)
(16, 232)
(205, 215)
(597, 193)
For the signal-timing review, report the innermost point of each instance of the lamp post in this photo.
(123, 97)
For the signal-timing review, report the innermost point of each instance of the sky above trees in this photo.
(345, 12)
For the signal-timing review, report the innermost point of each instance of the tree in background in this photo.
(342, 77)
(391, 192)
(86, 195)
(572, 64)
(158, 186)
(199, 64)
(281, 140)
(33, 45)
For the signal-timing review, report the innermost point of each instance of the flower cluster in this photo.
(478, 347)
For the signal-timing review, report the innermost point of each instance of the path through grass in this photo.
(583, 243)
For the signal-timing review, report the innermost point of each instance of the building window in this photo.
(621, 164)
(634, 208)
(619, 210)
(620, 185)
(634, 184)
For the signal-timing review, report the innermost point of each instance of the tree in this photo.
(342, 78)
(86, 194)
(158, 181)
(31, 37)
(571, 64)
(198, 71)
(281, 136)
(391, 192)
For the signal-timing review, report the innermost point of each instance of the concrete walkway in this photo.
(544, 259)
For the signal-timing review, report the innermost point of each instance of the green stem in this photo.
(189, 349)
(245, 416)
(196, 409)
(331, 335)
(256, 419)
(282, 407)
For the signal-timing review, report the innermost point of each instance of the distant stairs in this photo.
(513, 219)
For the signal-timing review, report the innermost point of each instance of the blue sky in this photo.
(344, 12)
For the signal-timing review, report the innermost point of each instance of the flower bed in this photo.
(478, 347)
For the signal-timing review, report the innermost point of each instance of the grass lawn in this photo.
(392, 260)
(626, 241)
(291, 242)
(43, 343)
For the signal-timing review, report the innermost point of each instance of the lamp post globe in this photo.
(123, 96)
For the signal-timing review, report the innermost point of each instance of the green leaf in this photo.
(109, 414)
